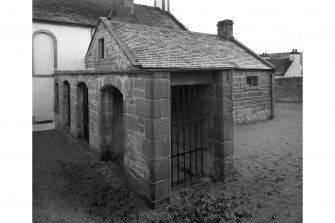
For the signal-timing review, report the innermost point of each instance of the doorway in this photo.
(67, 103)
(85, 111)
(112, 125)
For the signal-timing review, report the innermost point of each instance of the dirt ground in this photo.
(69, 187)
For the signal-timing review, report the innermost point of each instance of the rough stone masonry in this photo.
(145, 145)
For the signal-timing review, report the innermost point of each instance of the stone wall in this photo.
(218, 128)
(146, 117)
(252, 104)
(289, 89)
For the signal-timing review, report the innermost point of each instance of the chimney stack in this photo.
(225, 28)
(295, 55)
(164, 5)
(265, 56)
(123, 10)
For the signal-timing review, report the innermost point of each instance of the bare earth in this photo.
(69, 187)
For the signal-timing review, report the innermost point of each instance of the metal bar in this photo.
(177, 107)
(188, 120)
(190, 137)
(184, 133)
(171, 112)
(201, 145)
(195, 133)
(185, 153)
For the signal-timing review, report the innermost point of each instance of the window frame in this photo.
(101, 52)
(252, 87)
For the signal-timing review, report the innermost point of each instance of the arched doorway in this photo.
(84, 111)
(67, 103)
(111, 124)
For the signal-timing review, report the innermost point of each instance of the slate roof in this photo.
(87, 13)
(281, 65)
(169, 48)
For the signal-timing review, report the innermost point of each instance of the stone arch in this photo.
(111, 123)
(67, 103)
(47, 32)
(82, 111)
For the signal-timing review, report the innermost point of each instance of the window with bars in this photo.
(101, 48)
(56, 108)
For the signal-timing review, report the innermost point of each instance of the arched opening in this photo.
(44, 52)
(83, 111)
(67, 103)
(111, 124)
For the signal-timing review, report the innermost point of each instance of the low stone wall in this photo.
(289, 89)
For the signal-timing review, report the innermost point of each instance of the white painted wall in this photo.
(295, 70)
(43, 98)
(43, 54)
(72, 44)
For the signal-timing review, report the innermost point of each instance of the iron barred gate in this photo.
(186, 134)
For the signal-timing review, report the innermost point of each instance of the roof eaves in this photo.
(129, 54)
(63, 23)
(252, 52)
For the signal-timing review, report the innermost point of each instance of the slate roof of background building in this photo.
(168, 48)
(281, 65)
(87, 13)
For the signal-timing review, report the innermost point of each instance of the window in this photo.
(252, 81)
(56, 99)
(101, 48)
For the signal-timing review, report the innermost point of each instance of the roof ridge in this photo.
(165, 13)
(159, 28)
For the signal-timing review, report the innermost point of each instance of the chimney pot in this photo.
(164, 5)
(225, 28)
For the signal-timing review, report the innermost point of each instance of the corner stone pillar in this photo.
(221, 133)
(148, 151)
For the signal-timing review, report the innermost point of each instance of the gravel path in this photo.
(69, 187)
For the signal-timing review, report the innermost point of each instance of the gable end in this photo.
(114, 57)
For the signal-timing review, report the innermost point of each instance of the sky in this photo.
(263, 26)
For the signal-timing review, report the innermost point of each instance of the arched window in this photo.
(44, 53)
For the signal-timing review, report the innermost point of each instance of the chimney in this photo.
(265, 56)
(225, 28)
(123, 10)
(164, 5)
(295, 56)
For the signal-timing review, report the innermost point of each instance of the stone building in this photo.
(160, 101)
(288, 74)
(288, 64)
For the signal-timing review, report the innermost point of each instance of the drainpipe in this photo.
(273, 87)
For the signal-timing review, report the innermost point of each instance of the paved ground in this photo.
(268, 186)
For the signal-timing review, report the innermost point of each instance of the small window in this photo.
(252, 81)
(56, 109)
(101, 48)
